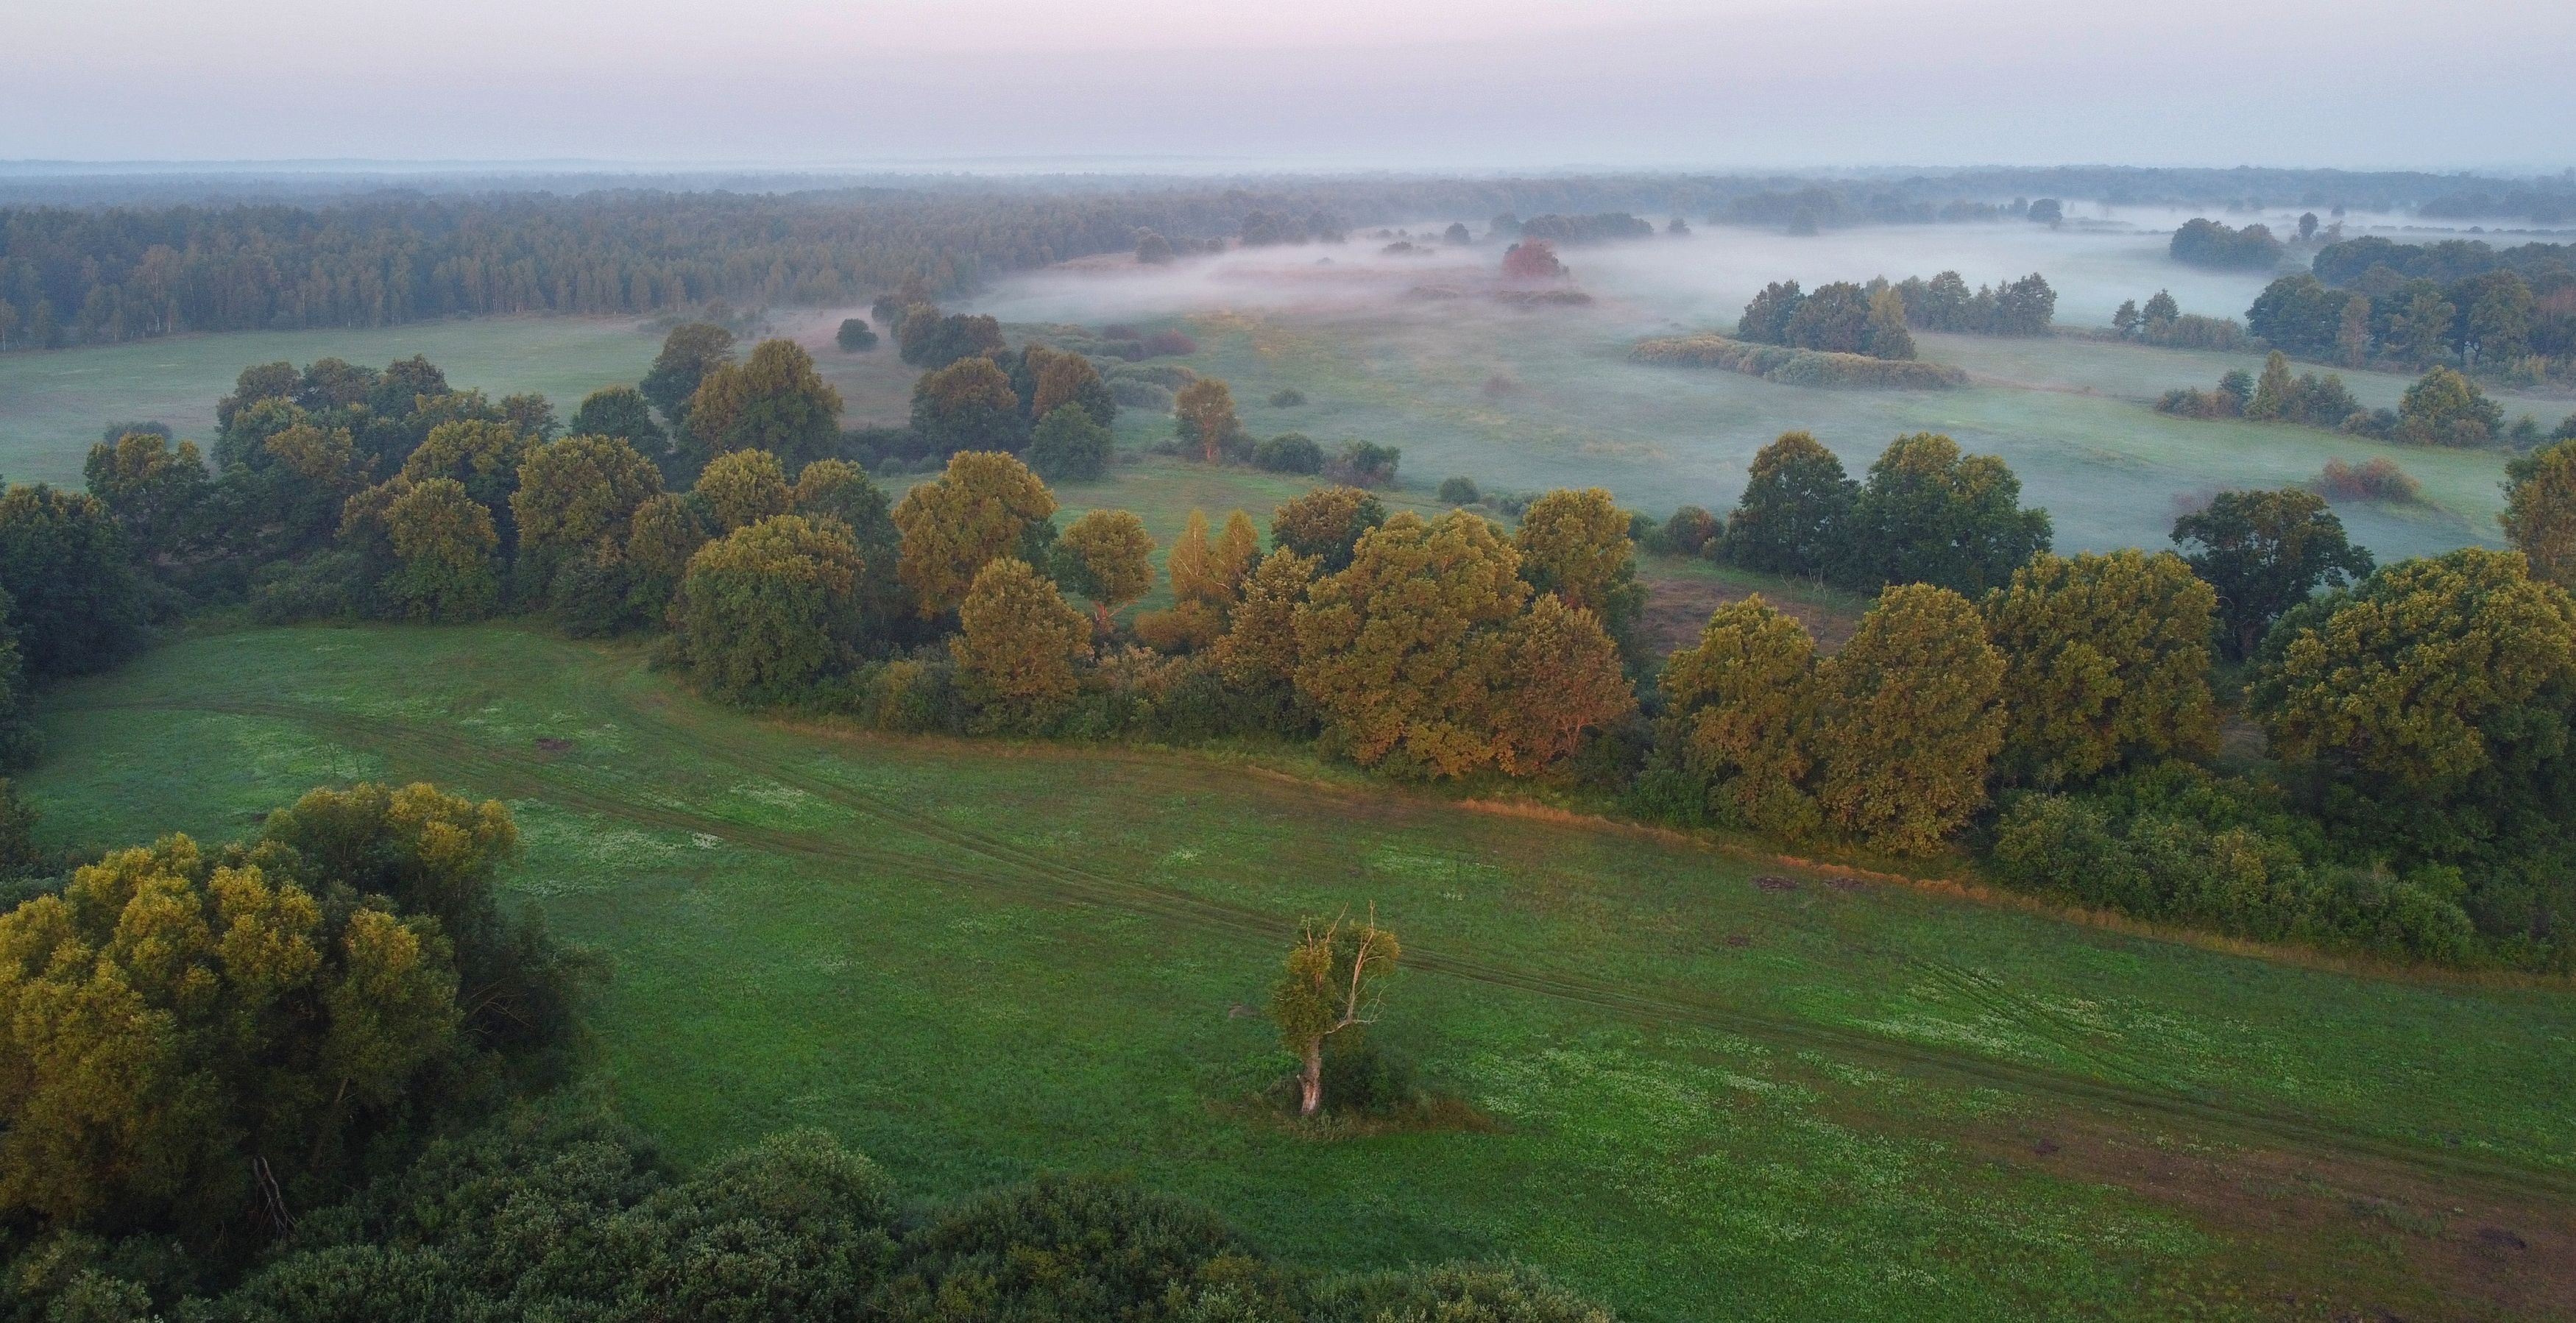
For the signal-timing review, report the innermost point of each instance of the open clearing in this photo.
(1807, 1099)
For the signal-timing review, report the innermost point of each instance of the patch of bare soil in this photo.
(1677, 609)
(2328, 1237)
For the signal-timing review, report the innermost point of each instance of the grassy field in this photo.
(1697, 1097)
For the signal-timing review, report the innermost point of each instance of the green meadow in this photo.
(1687, 1078)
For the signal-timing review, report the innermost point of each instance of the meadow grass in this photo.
(1704, 1098)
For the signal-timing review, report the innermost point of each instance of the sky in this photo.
(1309, 84)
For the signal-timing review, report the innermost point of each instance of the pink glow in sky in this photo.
(1503, 83)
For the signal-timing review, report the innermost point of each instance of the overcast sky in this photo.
(1295, 83)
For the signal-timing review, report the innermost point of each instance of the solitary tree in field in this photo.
(1107, 556)
(1532, 259)
(1334, 981)
(1205, 413)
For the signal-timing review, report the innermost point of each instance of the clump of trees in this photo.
(2205, 242)
(2442, 408)
(2516, 325)
(1796, 367)
(2008, 307)
(1926, 513)
(2162, 322)
(1840, 318)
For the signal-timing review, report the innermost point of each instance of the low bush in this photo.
(1364, 463)
(2372, 480)
(1460, 491)
(1289, 452)
(1287, 397)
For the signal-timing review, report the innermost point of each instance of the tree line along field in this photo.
(1689, 1081)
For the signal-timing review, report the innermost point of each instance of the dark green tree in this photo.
(1795, 511)
(2265, 552)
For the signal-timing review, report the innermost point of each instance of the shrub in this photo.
(1689, 529)
(1287, 397)
(1460, 491)
(2374, 480)
(1166, 344)
(1289, 452)
(1365, 463)
(855, 337)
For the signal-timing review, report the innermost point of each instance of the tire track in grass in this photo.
(1030, 875)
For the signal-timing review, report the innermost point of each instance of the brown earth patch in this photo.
(1677, 609)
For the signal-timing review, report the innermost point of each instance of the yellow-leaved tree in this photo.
(1259, 647)
(1016, 646)
(743, 487)
(446, 540)
(578, 494)
(2106, 663)
(1739, 707)
(1107, 556)
(956, 524)
(2540, 512)
(1910, 715)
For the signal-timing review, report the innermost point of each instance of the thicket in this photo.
(1796, 367)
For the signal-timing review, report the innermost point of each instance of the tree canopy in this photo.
(954, 525)
(2263, 552)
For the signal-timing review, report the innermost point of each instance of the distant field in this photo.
(53, 405)
(1515, 399)
(1705, 1098)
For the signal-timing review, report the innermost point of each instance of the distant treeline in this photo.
(2508, 313)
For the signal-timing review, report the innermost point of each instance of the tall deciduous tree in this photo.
(968, 405)
(689, 353)
(2540, 512)
(2106, 663)
(1928, 514)
(1016, 646)
(1910, 716)
(2427, 674)
(78, 606)
(1259, 647)
(1332, 985)
(1575, 544)
(1327, 524)
(1740, 706)
(2264, 552)
(1403, 651)
(1107, 556)
(982, 508)
(1794, 515)
(579, 493)
(1204, 415)
(773, 401)
(1560, 678)
(770, 607)
(743, 487)
(152, 488)
(621, 412)
(446, 541)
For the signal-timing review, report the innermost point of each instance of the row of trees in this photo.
(1872, 319)
(2209, 243)
(2496, 322)
(2442, 408)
